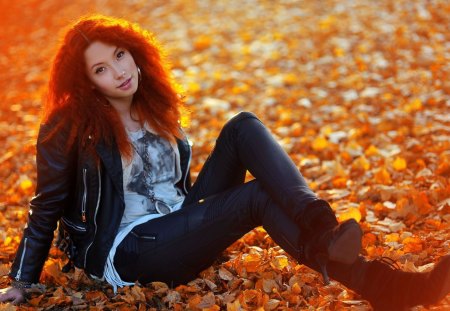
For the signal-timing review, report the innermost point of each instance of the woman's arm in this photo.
(55, 164)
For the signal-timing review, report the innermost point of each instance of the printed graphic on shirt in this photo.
(153, 163)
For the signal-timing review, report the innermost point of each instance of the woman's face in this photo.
(112, 71)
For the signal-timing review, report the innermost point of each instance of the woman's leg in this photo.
(245, 144)
(176, 247)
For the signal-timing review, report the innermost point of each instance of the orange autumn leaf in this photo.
(203, 42)
(382, 176)
(412, 245)
(251, 262)
(443, 168)
(420, 200)
(296, 289)
(95, 296)
(194, 302)
(339, 182)
(368, 239)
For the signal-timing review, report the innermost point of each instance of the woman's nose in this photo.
(119, 72)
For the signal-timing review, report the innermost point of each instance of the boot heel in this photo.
(322, 260)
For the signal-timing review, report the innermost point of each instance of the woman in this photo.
(113, 171)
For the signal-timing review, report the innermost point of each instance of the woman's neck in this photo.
(129, 118)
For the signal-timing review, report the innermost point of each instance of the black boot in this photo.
(326, 239)
(387, 288)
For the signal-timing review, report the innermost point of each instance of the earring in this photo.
(139, 74)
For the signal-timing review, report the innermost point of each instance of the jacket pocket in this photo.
(71, 226)
(69, 236)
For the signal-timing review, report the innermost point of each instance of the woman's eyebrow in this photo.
(114, 53)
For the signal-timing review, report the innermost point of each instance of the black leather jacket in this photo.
(84, 196)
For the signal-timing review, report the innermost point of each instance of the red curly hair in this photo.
(71, 96)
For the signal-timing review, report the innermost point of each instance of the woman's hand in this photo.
(16, 295)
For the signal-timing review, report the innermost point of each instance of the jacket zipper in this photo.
(83, 204)
(19, 272)
(95, 215)
(187, 168)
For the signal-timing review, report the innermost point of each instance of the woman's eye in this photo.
(99, 69)
(120, 54)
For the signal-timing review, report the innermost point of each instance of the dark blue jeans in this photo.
(221, 208)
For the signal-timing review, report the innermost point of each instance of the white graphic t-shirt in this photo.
(149, 180)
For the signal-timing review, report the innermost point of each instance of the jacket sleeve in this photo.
(55, 182)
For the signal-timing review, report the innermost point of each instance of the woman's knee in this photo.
(240, 120)
(240, 116)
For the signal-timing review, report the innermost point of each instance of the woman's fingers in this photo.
(12, 294)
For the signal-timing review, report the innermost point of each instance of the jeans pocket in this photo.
(143, 241)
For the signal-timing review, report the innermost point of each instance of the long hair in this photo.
(71, 96)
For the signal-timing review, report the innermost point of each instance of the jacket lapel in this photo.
(112, 162)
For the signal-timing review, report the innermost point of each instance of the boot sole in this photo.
(444, 264)
(347, 244)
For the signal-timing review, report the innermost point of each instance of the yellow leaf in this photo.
(327, 22)
(290, 79)
(414, 105)
(350, 213)
(26, 184)
(399, 164)
(234, 306)
(320, 143)
(393, 237)
(280, 262)
(194, 87)
(371, 151)
(339, 52)
(361, 163)
(7, 241)
(387, 96)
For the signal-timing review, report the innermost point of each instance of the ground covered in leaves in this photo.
(357, 92)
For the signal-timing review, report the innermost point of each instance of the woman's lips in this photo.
(125, 85)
